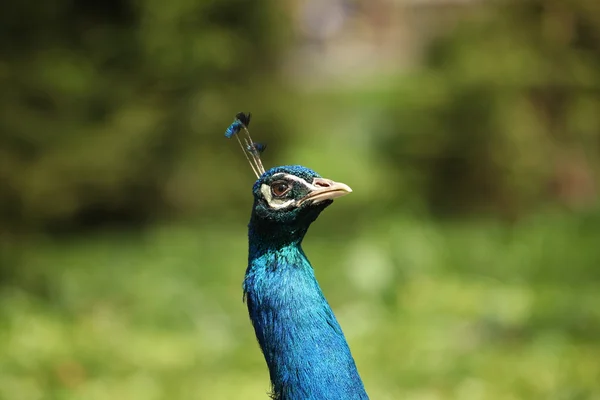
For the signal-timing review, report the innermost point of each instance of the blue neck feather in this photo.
(303, 344)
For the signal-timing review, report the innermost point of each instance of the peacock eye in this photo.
(280, 188)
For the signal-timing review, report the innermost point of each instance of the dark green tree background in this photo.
(111, 110)
(104, 103)
(505, 116)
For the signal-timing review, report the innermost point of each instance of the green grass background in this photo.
(477, 310)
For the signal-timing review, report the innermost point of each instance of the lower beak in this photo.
(326, 189)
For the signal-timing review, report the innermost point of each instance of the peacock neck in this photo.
(303, 344)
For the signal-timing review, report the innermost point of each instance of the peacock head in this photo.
(287, 198)
(293, 195)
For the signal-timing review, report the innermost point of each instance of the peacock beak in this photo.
(325, 189)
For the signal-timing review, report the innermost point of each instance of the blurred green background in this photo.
(465, 265)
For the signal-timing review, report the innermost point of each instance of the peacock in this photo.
(302, 342)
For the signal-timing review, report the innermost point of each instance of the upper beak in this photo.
(326, 189)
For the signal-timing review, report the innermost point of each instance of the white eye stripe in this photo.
(279, 204)
(266, 191)
(296, 179)
(276, 204)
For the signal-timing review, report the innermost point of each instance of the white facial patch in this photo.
(275, 203)
(295, 178)
(279, 204)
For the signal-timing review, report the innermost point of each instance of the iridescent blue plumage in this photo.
(257, 148)
(233, 129)
(303, 344)
(304, 347)
(241, 120)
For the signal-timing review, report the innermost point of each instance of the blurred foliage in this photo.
(436, 311)
(505, 115)
(114, 112)
(101, 102)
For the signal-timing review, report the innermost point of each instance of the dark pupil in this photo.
(279, 188)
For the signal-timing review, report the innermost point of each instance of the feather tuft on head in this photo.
(241, 121)
(257, 148)
(251, 149)
(244, 118)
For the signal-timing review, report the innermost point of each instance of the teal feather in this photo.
(241, 120)
(302, 342)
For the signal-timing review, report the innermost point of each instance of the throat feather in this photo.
(302, 342)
